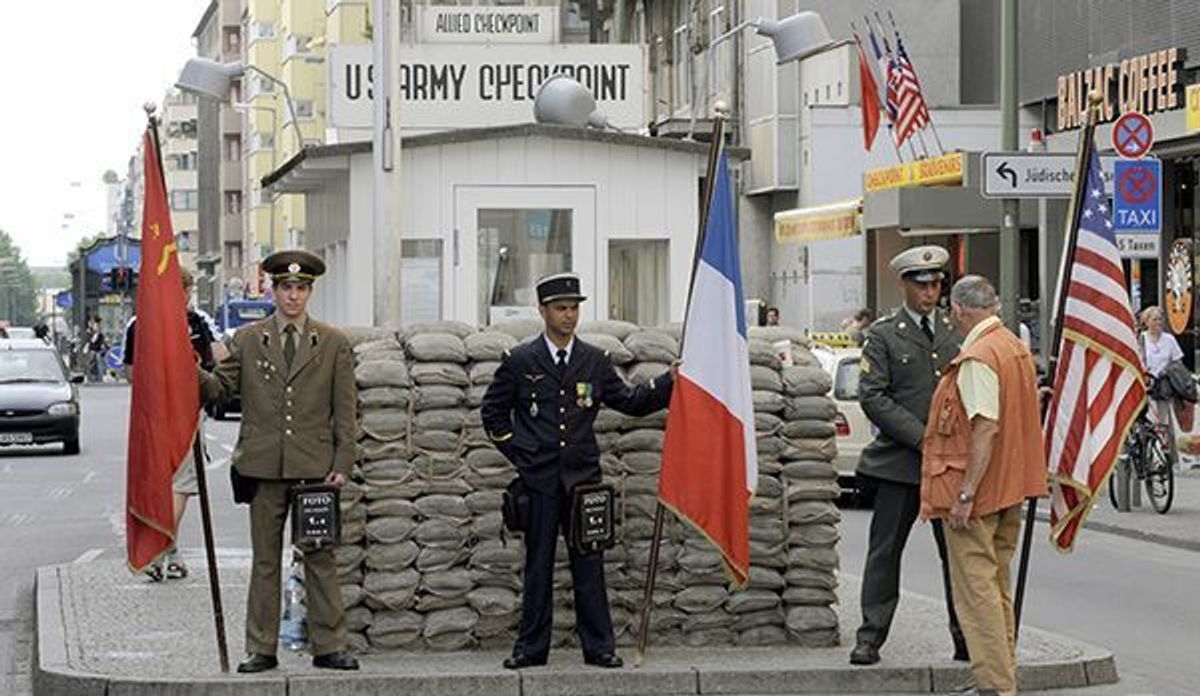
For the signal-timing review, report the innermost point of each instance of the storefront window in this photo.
(516, 248)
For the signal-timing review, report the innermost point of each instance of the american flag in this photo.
(1099, 386)
(886, 74)
(912, 114)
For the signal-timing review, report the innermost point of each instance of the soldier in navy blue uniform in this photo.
(539, 411)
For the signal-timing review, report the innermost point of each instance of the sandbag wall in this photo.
(423, 565)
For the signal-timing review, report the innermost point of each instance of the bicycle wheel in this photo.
(1159, 474)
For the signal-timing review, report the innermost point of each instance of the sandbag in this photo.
(488, 345)
(436, 347)
(652, 346)
(381, 373)
(617, 352)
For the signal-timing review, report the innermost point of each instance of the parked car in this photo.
(854, 431)
(39, 403)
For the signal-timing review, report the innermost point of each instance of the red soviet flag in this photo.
(165, 403)
(870, 98)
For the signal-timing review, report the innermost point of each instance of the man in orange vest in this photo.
(982, 456)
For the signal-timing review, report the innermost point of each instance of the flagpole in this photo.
(1082, 161)
(214, 581)
(714, 156)
(871, 69)
(895, 29)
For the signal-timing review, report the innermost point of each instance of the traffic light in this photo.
(122, 279)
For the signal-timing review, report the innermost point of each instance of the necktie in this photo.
(562, 360)
(289, 344)
(926, 328)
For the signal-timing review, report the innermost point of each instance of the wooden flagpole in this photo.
(214, 581)
(710, 181)
(1082, 162)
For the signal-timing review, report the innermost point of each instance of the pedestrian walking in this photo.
(1173, 383)
(295, 377)
(97, 346)
(184, 484)
(903, 356)
(538, 411)
(983, 456)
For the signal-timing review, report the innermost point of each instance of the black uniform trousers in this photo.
(549, 515)
(896, 508)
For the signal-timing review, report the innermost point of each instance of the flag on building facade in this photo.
(165, 400)
(709, 462)
(1098, 382)
(868, 96)
(912, 114)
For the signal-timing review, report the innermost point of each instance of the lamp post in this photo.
(212, 79)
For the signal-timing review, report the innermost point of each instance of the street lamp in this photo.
(563, 101)
(212, 79)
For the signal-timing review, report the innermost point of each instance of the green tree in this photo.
(18, 292)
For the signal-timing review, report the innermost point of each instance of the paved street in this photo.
(1133, 597)
(60, 509)
(57, 509)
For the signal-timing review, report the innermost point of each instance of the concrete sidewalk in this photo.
(1179, 528)
(103, 631)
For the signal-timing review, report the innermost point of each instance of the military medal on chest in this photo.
(533, 407)
(583, 394)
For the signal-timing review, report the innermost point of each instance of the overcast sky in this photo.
(75, 76)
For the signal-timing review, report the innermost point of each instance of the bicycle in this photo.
(1148, 453)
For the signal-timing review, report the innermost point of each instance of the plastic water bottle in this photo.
(293, 632)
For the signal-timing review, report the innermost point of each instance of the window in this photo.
(681, 60)
(304, 108)
(420, 280)
(233, 202)
(233, 147)
(185, 199)
(235, 91)
(232, 39)
(516, 248)
(182, 129)
(233, 253)
(181, 162)
(637, 281)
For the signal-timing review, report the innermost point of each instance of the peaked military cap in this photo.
(922, 264)
(293, 264)
(560, 286)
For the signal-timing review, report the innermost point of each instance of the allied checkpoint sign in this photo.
(450, 86)
(1137, 207)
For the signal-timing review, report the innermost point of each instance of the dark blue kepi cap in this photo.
(560, 286)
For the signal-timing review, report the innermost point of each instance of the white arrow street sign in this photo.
(1035, 174)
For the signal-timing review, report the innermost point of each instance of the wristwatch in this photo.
(965, 497)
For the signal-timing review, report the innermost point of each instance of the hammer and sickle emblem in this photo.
(154, 229)
(166, 255)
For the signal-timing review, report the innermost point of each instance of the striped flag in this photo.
(882, 60)
(912, 114)
(1098, 383)
(709, 462)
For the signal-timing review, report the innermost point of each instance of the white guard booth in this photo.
(487, 211)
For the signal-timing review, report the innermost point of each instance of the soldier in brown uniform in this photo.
(295, 377)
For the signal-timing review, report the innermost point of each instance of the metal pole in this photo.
(210, 550)
(714, 151)
(1010, 239)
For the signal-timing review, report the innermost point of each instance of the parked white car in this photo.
(854, 431)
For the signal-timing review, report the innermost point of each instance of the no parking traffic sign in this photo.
(1132, 135)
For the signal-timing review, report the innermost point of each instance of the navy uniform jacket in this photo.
(542, 421)
(899, 371)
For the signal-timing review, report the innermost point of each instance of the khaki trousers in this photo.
(980, 561)
(323, 598)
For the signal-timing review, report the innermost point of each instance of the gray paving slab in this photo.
(101, 630)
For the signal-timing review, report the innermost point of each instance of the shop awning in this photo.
(830, 221)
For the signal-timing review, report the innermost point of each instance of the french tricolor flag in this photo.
(710, 463)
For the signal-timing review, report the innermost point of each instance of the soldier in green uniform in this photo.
(902, 359)
(295, 377)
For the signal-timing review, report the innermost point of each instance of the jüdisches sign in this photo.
(443, 87)
(488, 24)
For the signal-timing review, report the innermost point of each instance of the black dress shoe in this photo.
(520, 661)
(258, 663)
(606, 660)
(337, 660)
(864, 654)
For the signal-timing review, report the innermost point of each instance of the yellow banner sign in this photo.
(821, 222)
(1193, 108)
(946, 170)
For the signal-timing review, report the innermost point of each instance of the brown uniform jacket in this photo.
(298, 423)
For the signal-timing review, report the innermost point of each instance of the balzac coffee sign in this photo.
(1148, 83)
